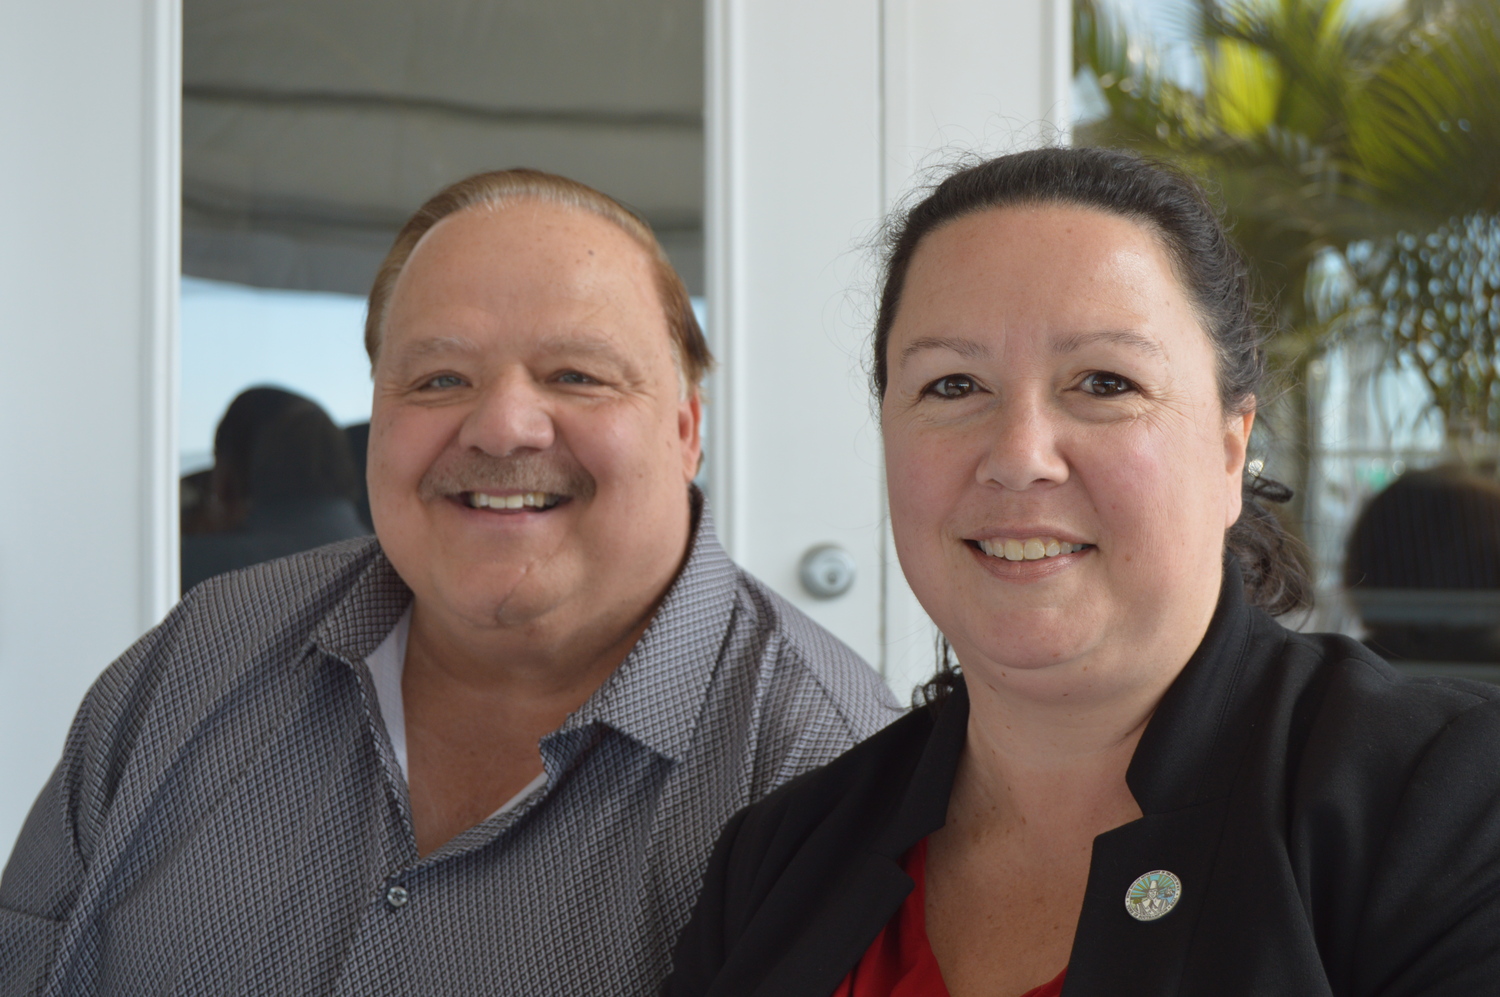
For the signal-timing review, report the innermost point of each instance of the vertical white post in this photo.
(962, 78)
(793, 109)
(819, 116)
(89, 98)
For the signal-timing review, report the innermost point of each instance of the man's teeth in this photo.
(527, 500)
(1028, 550)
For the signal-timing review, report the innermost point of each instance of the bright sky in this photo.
(235, 337)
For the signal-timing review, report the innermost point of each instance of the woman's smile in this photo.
(1032, 562)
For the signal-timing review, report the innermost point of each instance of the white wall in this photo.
(88, 178)
(818, 117)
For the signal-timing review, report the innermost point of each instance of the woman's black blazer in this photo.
(1335, 825)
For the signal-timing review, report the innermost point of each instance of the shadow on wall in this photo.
(285, 479)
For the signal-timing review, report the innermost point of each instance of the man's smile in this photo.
(540, 501)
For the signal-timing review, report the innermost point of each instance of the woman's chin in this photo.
(1032, 662)
(1032, 658)
(1030, 640)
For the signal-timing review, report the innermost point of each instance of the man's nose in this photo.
(1023, 446)
(512, 415)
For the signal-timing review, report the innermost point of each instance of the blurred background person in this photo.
(284, 480)
(1423, 567)
(215, 499)
(358, 436)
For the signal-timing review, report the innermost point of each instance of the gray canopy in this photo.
(313, 128)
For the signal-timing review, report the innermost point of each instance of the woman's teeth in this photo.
(528, 500)
(1028, 550)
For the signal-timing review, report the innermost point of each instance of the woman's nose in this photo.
(511, 415)
(1023, 447)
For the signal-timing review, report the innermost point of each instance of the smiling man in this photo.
(488, 751)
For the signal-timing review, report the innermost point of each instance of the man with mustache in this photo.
(488, 751)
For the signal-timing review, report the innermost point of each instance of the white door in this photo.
(820, 115)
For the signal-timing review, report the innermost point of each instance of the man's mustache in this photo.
(473, 471)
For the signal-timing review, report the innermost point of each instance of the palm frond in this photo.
(1427, 133)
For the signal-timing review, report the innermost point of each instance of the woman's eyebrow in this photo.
(1120, 337)
(973, 349)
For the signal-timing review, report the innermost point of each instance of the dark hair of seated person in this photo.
(216, 500)
(1435, 530)
(300, 493)
(301, 455)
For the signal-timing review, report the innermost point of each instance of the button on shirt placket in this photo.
(397, 919)
(412, 902)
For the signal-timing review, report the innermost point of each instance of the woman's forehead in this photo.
(1054, 277)
(1029, 240)
(1038, 258)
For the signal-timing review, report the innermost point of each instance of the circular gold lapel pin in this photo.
(1153, 895)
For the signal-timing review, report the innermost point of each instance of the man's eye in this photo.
(444, 381)
(1106, 385)
(952, 386)
(575, 377)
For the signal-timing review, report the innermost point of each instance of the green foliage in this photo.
(1319, 130)
(1434, 301)
(1426, 133)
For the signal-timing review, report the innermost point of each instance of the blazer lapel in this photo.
(875, 886)
(837, 936)
(1113, 952)
(1191, 746)
(1181, 776)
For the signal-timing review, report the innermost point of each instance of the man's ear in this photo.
(1236, 444)
(690, 433)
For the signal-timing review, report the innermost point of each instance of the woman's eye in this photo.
(444, 381)
(952, 386)
(1106, 385)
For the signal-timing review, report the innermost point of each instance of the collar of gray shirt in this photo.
(651, 698)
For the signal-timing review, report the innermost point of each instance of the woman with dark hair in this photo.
(1134, 780)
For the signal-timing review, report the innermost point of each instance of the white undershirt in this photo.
(387, 663)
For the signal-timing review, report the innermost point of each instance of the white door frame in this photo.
(819, 117)
(89, 99)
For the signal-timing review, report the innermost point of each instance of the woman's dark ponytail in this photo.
(1272, 561)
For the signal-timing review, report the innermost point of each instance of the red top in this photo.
(899, 962)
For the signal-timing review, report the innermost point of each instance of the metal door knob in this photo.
(827, 571)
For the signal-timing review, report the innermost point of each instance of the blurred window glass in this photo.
(235, 337)
(1355, 145)
(312, 130)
